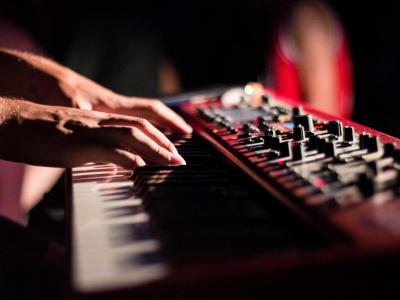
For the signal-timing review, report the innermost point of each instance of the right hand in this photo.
(68, 137)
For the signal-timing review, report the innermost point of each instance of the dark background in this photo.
(209, 42)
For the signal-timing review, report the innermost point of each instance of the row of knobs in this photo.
(304, 128)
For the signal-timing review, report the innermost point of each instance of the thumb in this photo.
(82, 102)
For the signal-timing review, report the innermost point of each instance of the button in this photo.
(299, 133)
(265, 99)
(348, 135)
(298, 151)
(285, 150)
(271, 132)
(389, 150)
(244, 135)
(312, 142)
(373, 144)
(363, 138)
(330, 148)
(275, 142)
(250, 127)
(335, 128)
(365, 183)
(297, 111)
(304, 120)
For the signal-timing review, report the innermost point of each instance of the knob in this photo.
(304, 120)
(312, 142)
(232, 129)
(365, 183)
(335, 128)
(298, 151)
(330, 148)
(297, 111)
(256, 139)
(389, 150)
(373, 144)
(271, 132)
(249, 127)
(285, 150)
(264, 126)
(320, 144)
(275, 142)
(348, 135)
(265, 99)
(268, 141)
(299, 133)
(363, 138)
(262, 119)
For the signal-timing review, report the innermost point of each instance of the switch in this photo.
(348, 135)
(298, 151)
(304, 120)
(299, 133)
(335, 128)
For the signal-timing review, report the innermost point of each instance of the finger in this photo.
(134, 140)
(151, 151)
(123, 158)
(126, 159)
(146, 127)
(168, 118)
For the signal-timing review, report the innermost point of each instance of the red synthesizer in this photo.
(276, 200)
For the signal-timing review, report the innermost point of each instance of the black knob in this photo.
(264, 126)
(244, 135)
(320, 144)
(275, 142)
(232, 129)
(297, 111)
(366, 184)
(265, 99)
(298, 151)
(249, 127)
(312, 142)
(330, 148)
(348, 135)
(335, 128)
(299, 133)
(268, 141)
(271, 132)
(285, 150)
(389, 150)
(304, 120)
(373, 144)
(363, 139)
(262, 119)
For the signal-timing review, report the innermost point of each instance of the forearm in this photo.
(39, 79)
(23, 76)
(314, 37)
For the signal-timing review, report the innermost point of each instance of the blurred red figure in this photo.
(311, 60)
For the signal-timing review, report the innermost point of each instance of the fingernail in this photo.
(179, 159)
(188, 128)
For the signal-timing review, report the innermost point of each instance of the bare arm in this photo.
(314, 37)
(27, 76)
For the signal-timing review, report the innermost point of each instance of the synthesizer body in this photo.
(275, 199)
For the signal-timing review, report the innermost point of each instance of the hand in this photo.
(43, 81)
(86, 94)
(67, 137)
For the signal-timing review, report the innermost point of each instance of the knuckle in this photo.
(139, 121)
(135, 133)
(156, 104)
(143, 122)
